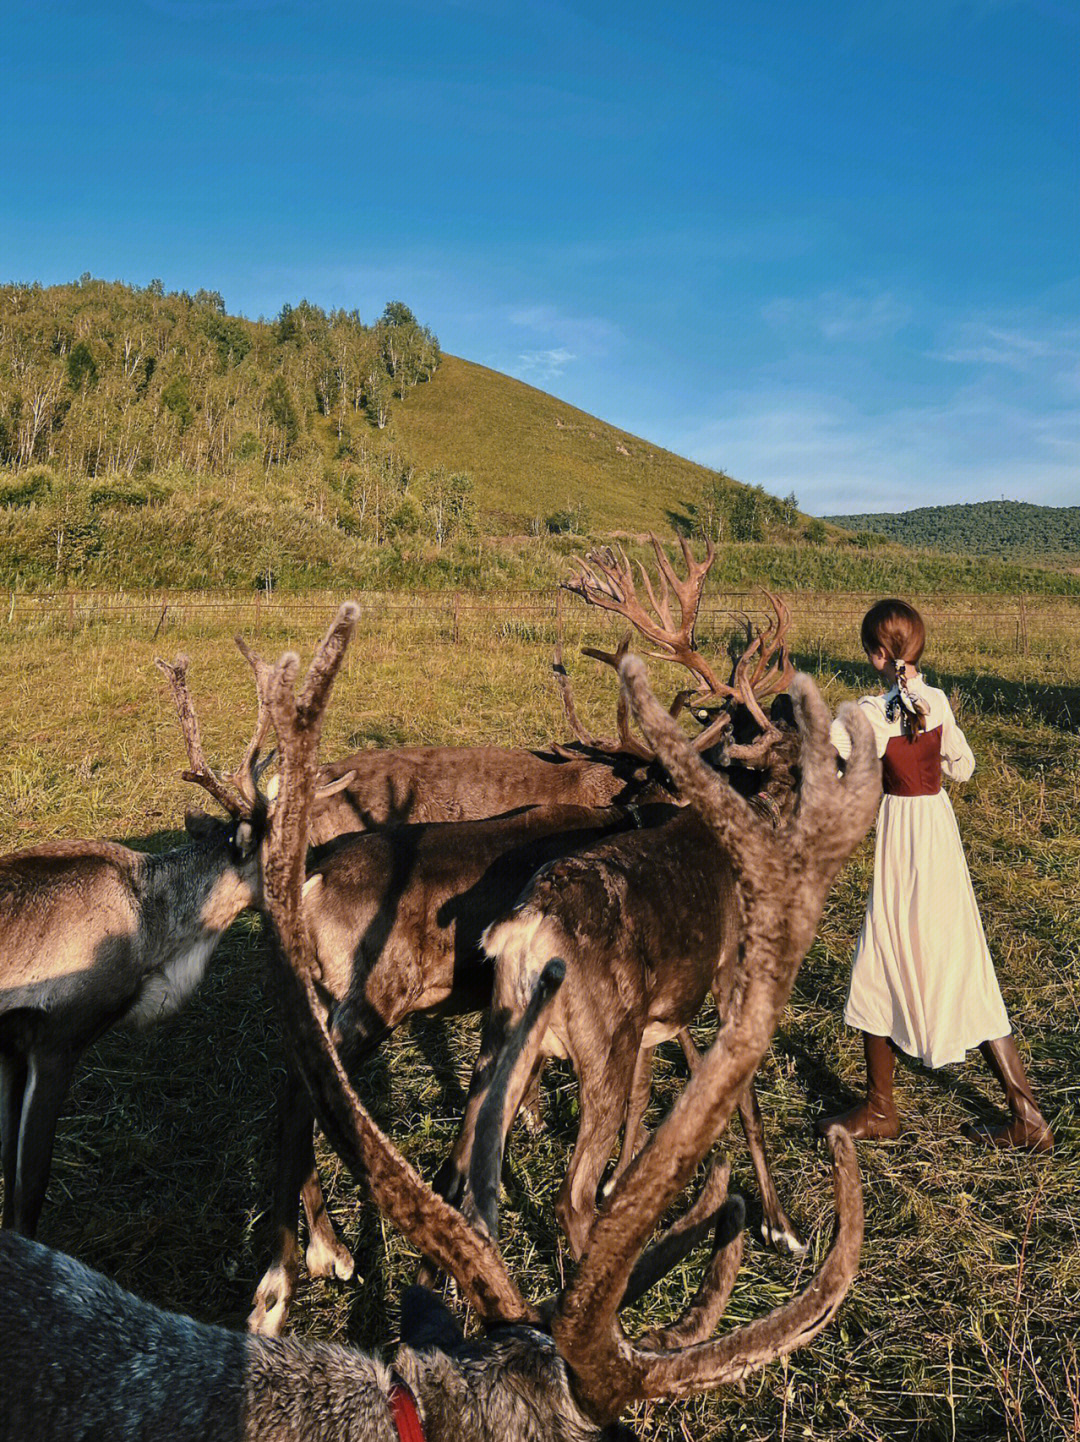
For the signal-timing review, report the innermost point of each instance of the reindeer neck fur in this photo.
(510, 1386)
(190, 896)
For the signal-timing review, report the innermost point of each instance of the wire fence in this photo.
(1017, 622)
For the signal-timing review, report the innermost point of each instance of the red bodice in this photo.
(911, 766)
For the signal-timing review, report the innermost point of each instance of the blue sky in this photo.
(830, 248)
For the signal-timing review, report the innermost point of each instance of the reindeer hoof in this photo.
(329, 1259)
(531, 1117)
(271, 1304)
(782, 1237)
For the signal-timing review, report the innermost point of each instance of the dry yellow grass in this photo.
(963, 1320)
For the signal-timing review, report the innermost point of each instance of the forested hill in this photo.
(150, 439)
(126, 395)
(1008, 529)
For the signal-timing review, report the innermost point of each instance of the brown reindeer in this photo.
(83, 1359)
(466, 783)
(647, 924)
(93, 933)
(396, 916)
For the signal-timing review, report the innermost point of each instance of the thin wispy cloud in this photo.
(982, 344)
(840, 316)
(837, 457)
(589, 335)
(543, 365)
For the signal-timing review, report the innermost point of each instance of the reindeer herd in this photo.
(587, 899)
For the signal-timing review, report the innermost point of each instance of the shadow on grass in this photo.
(434, 1038)
(830, 1095)
(1053, 705)
(682, 522)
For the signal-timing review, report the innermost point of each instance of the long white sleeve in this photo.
(841, 739)
(871, 709)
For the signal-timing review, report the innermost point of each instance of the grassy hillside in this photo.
(368, 425)
(530, 455)
(153, 441)
(985, 528)
(200, 538)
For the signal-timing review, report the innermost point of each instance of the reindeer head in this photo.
(238, 794)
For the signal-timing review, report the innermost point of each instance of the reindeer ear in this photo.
(427, 1324)
(244, 839)
(782, 712)
(201, 824)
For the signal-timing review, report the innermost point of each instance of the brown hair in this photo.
(895, 628)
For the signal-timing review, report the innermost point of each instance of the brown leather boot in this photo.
(875, 1119)
(1028, 1128)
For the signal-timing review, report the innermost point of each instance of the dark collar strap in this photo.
(403, 1407)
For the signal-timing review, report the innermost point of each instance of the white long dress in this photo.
(922, 973)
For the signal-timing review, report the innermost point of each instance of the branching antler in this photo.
(772, 673)
(236, 793)
(763, 669)
(607, 580)
(427, 1220)
(782, 880)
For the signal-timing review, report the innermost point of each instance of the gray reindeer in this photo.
(93, 933)
(83, 1360)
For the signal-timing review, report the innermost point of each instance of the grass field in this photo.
(962, 1323)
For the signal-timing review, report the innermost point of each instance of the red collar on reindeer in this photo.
(403, 1408)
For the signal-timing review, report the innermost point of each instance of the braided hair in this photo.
(897, 629)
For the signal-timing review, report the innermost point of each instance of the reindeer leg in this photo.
(532, 1106)
(12, 1089)
(603, 1101)
(294, 1176)
(452, 1180)
(48, 1079)
(634, 1134)
(326, 1254)
(689, 1048)
(452, 1176)
(776, 1227)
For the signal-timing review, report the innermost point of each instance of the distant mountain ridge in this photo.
(984, 528)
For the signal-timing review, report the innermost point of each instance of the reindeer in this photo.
(82, 1358)
(647, 923)
(372, 789)
(93, 933)
(396, 918)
